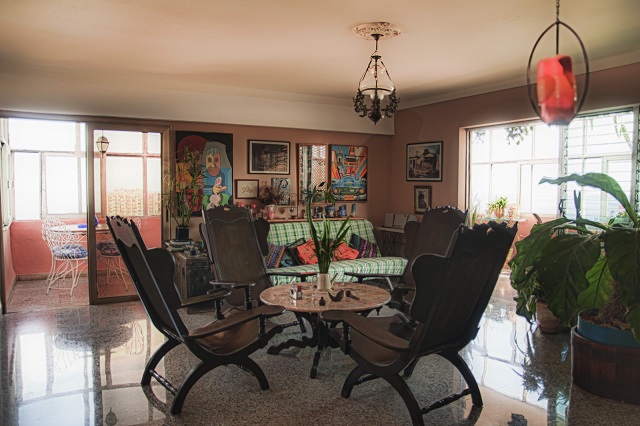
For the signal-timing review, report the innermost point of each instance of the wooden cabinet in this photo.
(192, 276)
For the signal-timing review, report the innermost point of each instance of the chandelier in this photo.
(376, 97)
(556, 95)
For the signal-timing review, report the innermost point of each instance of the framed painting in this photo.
(247, 188)
(424, 161)
(348, 170)
(216, 155)
(282, 186)
(269, 157)
(421, 198)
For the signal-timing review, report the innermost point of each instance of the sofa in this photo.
(283, 234)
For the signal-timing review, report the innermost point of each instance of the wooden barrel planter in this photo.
(605, 370)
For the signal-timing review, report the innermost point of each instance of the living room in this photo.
(115, 99)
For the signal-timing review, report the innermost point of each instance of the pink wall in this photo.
(31, 254)
(378, 150)
(9, 272)
(446, 121)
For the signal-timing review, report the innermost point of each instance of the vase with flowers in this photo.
(270, 199)
(324, 244)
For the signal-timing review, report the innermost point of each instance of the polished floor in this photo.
(81, 366)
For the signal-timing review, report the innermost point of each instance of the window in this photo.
(49, 170)
(5, 176)
(510, 161)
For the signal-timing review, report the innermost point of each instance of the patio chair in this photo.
(221, 342)
(68, 256)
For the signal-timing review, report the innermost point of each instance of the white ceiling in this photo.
(298, 50)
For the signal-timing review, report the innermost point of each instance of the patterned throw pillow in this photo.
(290, 256)
(344, 252)
(364, 247)
(307, 253)
(274, 257)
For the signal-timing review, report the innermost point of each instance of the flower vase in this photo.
(271, 211)
(324, 282)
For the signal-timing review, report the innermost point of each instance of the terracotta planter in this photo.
(547, 321)
(605, 370)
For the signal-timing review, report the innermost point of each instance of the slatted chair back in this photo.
(235, 250)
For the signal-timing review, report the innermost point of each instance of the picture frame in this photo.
(421, 198)
(424, 161)
(247, 189)
(348, 166)
(269, 157)
(282, 186)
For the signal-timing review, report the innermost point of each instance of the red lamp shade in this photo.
(556, 90)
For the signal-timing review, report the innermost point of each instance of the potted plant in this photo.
(185, 191)
(324, 245)
(270, 199)
(578, 264)
(498, 206)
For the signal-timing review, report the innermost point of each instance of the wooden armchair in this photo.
(222, 342)
(452, 292)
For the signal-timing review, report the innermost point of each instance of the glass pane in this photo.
(525, 188)
(154, 186)
(124, 186)
(154, 142)
(547, 141)
(480, 184)
(504, 182)
(510, 149)
(480, 147)
(62, 185)
(545, 196)
(96, 182)
(42, 135)
(121, 141)
(27, 185)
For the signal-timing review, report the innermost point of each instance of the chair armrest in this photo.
(265, 311)
(231, 285)
(374, 333)
(212, 295)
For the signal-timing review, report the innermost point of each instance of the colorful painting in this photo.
(282, 186)
(216, 150)
(349, 172)
(424, 161)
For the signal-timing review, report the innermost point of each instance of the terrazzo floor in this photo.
(82, 365)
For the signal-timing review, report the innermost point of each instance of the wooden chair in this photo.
(452, 292)
(432, 235)
(222, 342)
(237, 256)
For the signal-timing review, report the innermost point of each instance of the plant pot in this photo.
(324, 282)
(547, 322)
(606, 370)
(330, 211)
(182, 233)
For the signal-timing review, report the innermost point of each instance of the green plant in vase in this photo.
(324, 245)
(498, 206)
(184, 192)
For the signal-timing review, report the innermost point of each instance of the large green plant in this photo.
(324, 245)
(574, 264)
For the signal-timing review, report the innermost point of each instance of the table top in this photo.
(370, 297)
(102, 227)
(388, 229)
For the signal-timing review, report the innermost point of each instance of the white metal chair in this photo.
(110, 256)
(68, 256)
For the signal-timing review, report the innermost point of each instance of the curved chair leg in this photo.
(300, 320)
(351, 381)
(463, 368)
(407, 396)
(155, 359)
(255, 369)
(408, 371)
(191, 379)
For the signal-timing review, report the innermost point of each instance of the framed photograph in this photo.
(348, 170)
(424, 161)
(421, 198)
(269, 157)
(247, 188)
(282, 186)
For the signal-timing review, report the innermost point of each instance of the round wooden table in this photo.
(365, 298)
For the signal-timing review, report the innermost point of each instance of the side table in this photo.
(390, 237)
(192, 276)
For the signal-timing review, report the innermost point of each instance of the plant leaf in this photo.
(564, 264)
(599, 289)
(603, 182)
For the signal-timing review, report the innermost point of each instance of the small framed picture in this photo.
(424, 161)
(269, 157)
(421, 198)
(247, 188)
